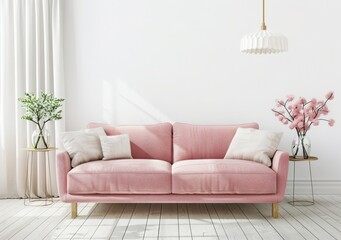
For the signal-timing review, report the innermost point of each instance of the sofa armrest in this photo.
(280, 164)
(63, 166)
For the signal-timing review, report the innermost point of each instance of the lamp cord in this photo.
(263, 27)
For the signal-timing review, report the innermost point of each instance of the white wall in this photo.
(147, 61)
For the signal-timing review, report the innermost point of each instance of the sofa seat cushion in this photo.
(125, 176)
(217, 176)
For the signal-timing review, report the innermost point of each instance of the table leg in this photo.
(302, 202)
(28, 180)
(293, 185)
(50, 181)
(48, 198)
(311, 184)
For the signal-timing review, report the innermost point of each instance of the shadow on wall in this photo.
(123, 105)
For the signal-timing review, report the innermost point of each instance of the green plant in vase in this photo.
(41, 110)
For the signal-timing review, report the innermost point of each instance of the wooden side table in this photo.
(32, 154)
(302, 202)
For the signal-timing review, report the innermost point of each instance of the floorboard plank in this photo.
(265, 230)
(281, 224)
(123, 222)
(248, 229)
(37, 221)
(169, 226)
(200, 221)
(314, 228)
(5, 203)
(109, 222)
(331, 203)
(20, 220)
(173, 221)
(11, 210)
(51, 223)
(153, 222)
(90, 225)
(184, 223)
(217, 223)
(230, 225)
(137, 224)
(328, 208)
(299, 227)
(70, 226)
(321, 219)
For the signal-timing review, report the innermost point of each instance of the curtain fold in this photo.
(31, 60)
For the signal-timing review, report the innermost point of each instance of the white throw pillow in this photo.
(253, 144)
(83, 146)
(97, 131)
(116, 147)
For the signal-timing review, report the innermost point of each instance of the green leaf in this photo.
(41, 109)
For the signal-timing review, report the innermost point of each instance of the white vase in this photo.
(301, 146)
(40, 139)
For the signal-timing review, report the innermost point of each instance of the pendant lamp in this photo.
(263, 41)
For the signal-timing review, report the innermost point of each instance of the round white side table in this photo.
(295, 202)
(32, 155)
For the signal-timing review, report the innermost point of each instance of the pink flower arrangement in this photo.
(301, 115)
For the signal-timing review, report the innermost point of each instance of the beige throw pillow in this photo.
(253, 144)
(83, 146)
(116, 147)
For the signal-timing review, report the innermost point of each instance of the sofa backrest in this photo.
(203, 141)
(146, 141)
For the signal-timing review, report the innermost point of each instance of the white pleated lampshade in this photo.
(263, 42)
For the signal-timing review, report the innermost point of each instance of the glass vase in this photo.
(40, 139)
(301, 146)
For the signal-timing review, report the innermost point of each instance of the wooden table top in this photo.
(300, 158)
(40, 149)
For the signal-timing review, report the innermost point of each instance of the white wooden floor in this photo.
(172, 221)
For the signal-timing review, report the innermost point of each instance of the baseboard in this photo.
(330, 187)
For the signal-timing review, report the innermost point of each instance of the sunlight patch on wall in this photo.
(123, 105)
(132, 107)
(109, 106)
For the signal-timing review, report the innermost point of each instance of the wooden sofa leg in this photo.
(73, 210)
(275, 210)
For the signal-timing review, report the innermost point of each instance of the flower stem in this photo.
(300, 144)
(40, 137)
(305, 153)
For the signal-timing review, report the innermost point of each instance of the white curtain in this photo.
(31, 60)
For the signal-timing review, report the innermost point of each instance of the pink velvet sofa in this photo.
(179, 163)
